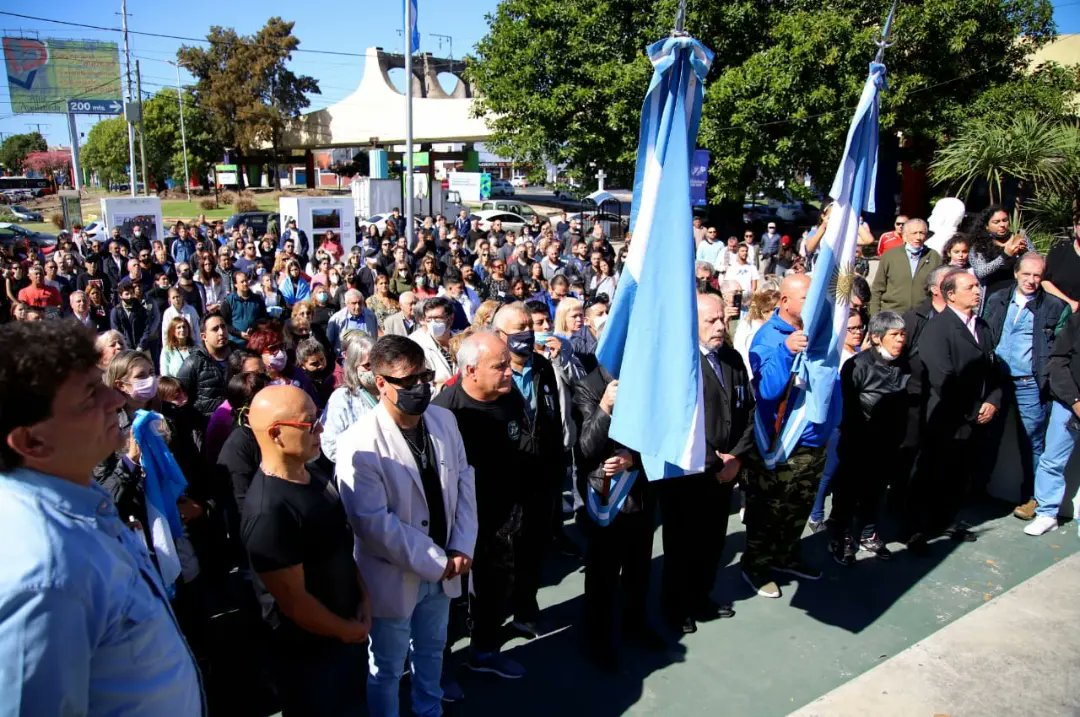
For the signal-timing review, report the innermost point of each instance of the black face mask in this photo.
(413, 401)
(521, 343)
(185, 275)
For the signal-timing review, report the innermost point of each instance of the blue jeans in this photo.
(391, 638)
(1032, 413)
(832, 460)
(1050, 475)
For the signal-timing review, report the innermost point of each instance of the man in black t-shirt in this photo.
(1062, 276)
(492, 419)
(300, 545)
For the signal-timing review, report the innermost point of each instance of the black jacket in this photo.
(1050, 314)
(238, 461)
(729, 408)
(1063, 366)
(544, 434)
(960, 375)
(876, 401)
(915, 320)
(203, 380)
(137, 326)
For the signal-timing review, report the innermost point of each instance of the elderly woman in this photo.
(874, 387)
(352, 400)
(108, 345)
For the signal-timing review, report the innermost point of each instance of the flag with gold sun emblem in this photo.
(828, 301)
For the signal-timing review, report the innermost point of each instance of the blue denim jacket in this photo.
(85, 627)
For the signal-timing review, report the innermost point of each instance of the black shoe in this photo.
(712, 610)
(875, 545)
(842, 550)
(961, 534)
(688, 626)
(918, 546)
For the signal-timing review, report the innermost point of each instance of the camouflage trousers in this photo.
(777, 505)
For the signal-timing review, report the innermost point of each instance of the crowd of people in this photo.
(377, 440)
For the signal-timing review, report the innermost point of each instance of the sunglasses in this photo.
(310, 427)
(409, 381)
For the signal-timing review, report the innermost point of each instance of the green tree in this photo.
(106, 150)
(164, 143)
(245, 85)
(15, 148)
(565, 78)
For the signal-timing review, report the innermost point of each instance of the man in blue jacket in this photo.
(779, 500)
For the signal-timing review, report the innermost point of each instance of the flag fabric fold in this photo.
(412, 27)
(650, 339)
(828, 300)
(164, 485)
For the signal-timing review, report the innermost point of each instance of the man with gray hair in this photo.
(402, 323)
(1024, 320)
(80, 309)
(902, 271)
(916, 317)
(492, 419)
(354, 316)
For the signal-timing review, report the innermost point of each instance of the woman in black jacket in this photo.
(874, 388)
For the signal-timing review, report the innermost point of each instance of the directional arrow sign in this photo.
(95, 107)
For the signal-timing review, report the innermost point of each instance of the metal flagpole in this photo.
(142, 131)
(409, 19)
(183, 135)
(132, 177)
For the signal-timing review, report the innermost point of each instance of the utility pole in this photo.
(409, 20)
(448, 39)
(142, 131)
(132, 176)
(37, 125)
(183, 135)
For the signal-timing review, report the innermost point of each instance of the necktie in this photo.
(714, 362)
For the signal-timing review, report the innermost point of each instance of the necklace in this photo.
(420, 453)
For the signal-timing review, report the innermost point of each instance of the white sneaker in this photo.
(1041, 524)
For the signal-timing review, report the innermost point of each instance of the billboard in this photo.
(44, 74)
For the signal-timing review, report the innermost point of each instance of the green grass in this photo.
(180, 209)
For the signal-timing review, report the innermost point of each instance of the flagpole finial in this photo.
(886, 33)
(680, 19)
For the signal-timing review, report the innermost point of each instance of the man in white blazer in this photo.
(410, 496)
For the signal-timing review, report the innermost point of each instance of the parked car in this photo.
(23, 214)
(258, 221)
(519, 181)
(508, 206)
(501, 188)
(12, 234)
(510, 220)
(95, 230)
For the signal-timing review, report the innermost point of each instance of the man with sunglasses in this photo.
(300, 545)
(893, 238)
(409, 492)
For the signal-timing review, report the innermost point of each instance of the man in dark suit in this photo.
(900, 282)
(695, 508)
(962, 394)
(131, 318)
(364, 280)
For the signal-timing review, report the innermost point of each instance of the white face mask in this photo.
(276, 361)
(599, 321)
(143, 389)
(437, 328)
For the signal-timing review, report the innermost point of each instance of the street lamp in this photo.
(183, 135)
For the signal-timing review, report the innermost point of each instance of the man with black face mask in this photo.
(534, 379)
(409, 493)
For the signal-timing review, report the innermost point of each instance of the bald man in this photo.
(778, 501)
(494, 427)
(696, 507)
(534, 378)
(301, 545)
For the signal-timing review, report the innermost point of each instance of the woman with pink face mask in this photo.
(132, 374)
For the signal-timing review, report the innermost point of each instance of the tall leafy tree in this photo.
(565, 78)
(246, 86)
(106, 150)
(164, 143)
(14, 149)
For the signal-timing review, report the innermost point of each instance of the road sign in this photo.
(95, 107)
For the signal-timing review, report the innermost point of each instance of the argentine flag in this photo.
(828, 301)
(650, 340)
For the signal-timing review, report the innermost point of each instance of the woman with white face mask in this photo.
(355, 397)
(596, 314)
(433, 335)
(132, 374)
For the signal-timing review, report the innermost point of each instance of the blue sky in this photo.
(340, 25)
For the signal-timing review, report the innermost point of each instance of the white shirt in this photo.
(745, 274)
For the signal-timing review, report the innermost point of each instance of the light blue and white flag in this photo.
(411, 27)
(164, 485)
(825, 313)
(650, 339)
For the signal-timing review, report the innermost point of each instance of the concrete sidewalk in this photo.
(1015, 655)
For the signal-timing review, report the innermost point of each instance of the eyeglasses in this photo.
(856, 329)
(409, 381)
(310, 427)
(898, 224)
